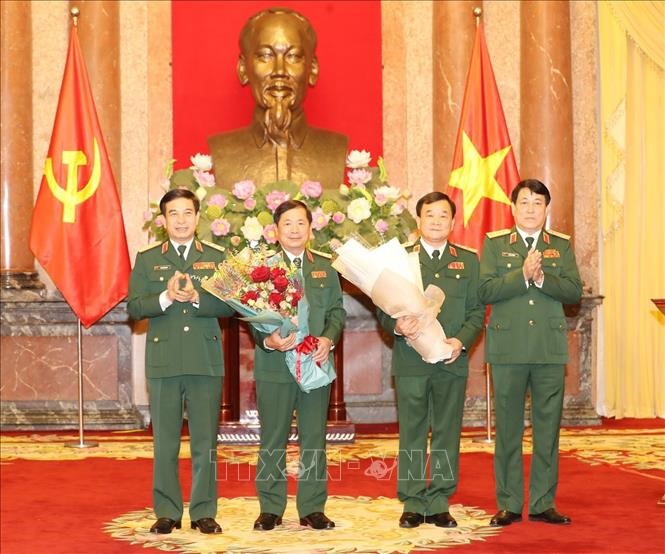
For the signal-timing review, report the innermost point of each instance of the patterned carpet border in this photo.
(636, 449)
(351, 534)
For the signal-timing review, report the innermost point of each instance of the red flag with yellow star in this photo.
(77, 231)
(484, 169)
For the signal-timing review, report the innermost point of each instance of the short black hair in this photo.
(178, 193)
(535, 186)
(432, 197)
(290, 205)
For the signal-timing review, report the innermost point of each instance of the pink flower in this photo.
(159, 221)
(244, 189)
(359, 176)
(220, 227)
(147, 215)
(338, 217)
(218, 200)
(270, 233)
(398, 207)
(380, 198)
(274, 198)
(204, 178)
(250, 203)
(381, 226)
(235, 240)
(319, 219)
(311, 189)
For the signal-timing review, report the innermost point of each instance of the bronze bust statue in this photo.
(277, 59)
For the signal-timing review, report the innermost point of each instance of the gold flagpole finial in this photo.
(75, 12)
(477, 12)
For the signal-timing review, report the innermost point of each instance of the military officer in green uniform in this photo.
(277, 392)
(527, 273)
(184, 364)
(432, 395)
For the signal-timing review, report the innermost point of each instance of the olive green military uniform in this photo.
(432, 395)
(184, 366)
(527, 346)
(277, 394)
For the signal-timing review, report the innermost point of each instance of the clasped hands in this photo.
(533, 267)
(409, 327)
(181, 289)
(276, 342)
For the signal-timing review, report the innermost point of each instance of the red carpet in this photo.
(61, 506)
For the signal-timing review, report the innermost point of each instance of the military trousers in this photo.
(276, 402)
(433, 401)
(546, 384)
(168, 398)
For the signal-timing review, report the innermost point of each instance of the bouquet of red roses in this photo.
(261, 287)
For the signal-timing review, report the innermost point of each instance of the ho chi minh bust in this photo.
(277, 59)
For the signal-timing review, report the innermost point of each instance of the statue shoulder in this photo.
(329, 139)
(233, 137)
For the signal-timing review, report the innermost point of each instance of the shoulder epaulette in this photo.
(213, 245)
(322, 254)
(495, 234)
(409, 244)
(149, 246)
(560, 235)
(466, 248)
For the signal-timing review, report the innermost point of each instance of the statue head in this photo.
(277, 60)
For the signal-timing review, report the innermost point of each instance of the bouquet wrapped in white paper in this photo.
(391, 277)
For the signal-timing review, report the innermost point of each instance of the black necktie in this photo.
(181, 251)
(435, 255)
(297, 262)
(529, 242)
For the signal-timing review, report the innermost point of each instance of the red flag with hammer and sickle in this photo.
(77, 231)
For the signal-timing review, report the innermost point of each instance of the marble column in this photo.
(453, 32)
(17, 269)
(546, 108)
(99, 37)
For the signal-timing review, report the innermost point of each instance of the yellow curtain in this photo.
(632, 110)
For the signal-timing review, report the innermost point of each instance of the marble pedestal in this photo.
(39, 365)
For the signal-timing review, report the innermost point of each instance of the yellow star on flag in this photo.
(476, 177)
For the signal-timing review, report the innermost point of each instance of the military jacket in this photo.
(183, 340)
(326, 317)
(527, 325)
(461, 316)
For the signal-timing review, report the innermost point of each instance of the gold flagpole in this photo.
(81, 442)
(477, 12)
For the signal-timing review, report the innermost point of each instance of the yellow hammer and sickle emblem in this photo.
(71, 196)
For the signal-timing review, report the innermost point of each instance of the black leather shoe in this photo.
(317, 520)
(409, 520)
(267, 522)
(165, 525)
(443, 519)
(504, 517)
(551, 516)
(207, 525)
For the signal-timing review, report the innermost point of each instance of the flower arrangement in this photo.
(365, 206)
(259, 285)
(255, 281)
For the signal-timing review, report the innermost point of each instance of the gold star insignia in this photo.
(476, 177)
